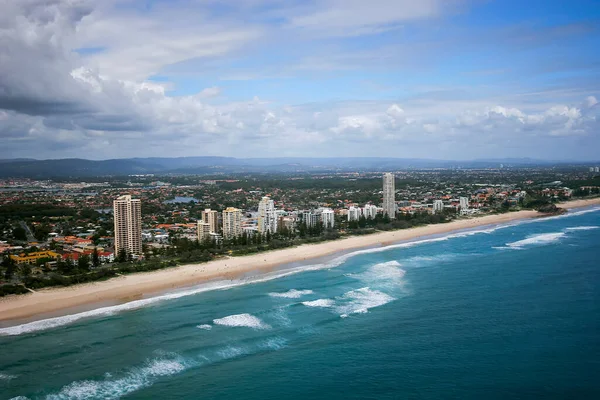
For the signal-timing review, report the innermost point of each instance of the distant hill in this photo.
(75, 167)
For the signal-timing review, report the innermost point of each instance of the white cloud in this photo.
(55, 102)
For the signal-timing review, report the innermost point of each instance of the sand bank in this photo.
(131, 287)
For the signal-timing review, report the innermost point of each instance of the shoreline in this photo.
(51, 302)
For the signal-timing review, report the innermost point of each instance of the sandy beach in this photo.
(131, 287)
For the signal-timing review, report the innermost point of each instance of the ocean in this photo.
(502, 312)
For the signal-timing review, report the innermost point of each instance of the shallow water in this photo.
(503, 312)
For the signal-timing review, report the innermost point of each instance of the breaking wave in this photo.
(6, 377)
(387, 273)
(135, 379)
(360, 301)
(541, 239)
(582, 228)
(242, 320)
(323, 303)
(292, 294)
(206, 327)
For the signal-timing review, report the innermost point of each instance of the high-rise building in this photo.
(203, 231)
(464, 203)
(232, 222)
(438, 206)
(597, 169)
(591, 169)
(128, 225)
(353, 213)
(327, 218)
(389, 195)
(370, 211)
(267, 218)
(310, 218)
(211, 217)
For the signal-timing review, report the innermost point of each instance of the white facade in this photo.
(389, 195)
(464, 202)
(354, 213)
(267, 217)
(438, 206)
(597, 169)
(370, 211)
(327, 218)
(203, 231)
(128, 225)
(232, 222)
(211, 217)
(310, 218)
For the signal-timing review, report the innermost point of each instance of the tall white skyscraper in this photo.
(438, 206)
(389, 195)
(353, 213)
(267, 218)
(128, 225)
(211, 217)
(327, 218)
(232, 222)
(464, 203)
(370, 211)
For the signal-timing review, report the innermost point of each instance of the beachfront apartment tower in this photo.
(211, 217)
(389, 195)
(370, 211)
(464, 203)
(232, 222)
(203, 231)
(354, 213)
(128, 225)
(327, 218)
(438, 206)
(267, 217)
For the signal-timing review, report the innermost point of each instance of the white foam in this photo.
(274, 343)
(541, 239)
(385, 274)
(292, 294)
(361, 301)
(20, 398)
(206, 327)
(281, 316)
(231, 352)
(134, 380)
(242, 320)
(323, 303)
(582, 228)
(6, 377)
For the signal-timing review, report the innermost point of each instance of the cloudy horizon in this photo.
(434, 79)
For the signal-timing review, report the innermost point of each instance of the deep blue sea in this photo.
(505, 312)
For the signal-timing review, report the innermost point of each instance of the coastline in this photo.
(127, 288)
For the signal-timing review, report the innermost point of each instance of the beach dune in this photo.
(131, 287)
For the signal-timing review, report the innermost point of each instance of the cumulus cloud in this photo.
(58, 100)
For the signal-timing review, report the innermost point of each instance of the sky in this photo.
(436, 79)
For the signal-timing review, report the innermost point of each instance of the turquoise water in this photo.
(503, 312)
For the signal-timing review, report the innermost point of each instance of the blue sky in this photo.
(263, 78)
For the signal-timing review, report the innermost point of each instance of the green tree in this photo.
(95, 258)
(9, 267)
(122, 256)
(19, 233)
(83, 262)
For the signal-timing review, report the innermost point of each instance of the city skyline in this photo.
(459, 79)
